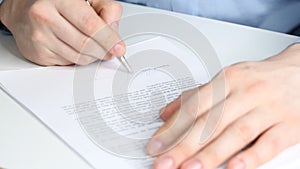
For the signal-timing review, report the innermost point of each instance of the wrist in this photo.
(290, 55)
(294, 48)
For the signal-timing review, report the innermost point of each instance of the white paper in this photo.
(49, 94)
(61, 98)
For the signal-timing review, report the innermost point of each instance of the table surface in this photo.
(26, 143)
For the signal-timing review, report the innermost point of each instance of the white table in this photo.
(25, 143)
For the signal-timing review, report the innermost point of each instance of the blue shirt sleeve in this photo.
(277, 15)
(4, 30)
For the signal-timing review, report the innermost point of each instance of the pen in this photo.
(125, 64)
(122, 58)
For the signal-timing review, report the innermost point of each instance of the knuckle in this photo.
(111, 39)
(232, 72)
(258, 87)
(37, 13)
(190, 109)
(275, 143)
(41, 59)
(35, 10)
(184, 150)
(73, 57)
(212, 156)
(107, 37)
(90, 23)
(238, 70)
(245, 65)
(244, 132)
(115, 6)
(38, 38)
(83, 42)
(256, 157)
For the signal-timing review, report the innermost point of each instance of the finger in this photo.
(76, 39)
(68, 53)
(46, 57)
(170, 109)
(204, 131)
(267, 147)
(211, 94)
(65, 32)
(73, 56)
(173, 158)
(58, 60)
(110, 12)
(41, 54)
(174, 129)
(237, 136)
(206, 91)
(84, 18)
(179, 150)
(191, 108)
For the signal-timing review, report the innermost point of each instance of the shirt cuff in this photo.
(3, 29)
(1, 2)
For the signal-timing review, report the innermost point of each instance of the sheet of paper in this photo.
(104, 113)
(61, 98)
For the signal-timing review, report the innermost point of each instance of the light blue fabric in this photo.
(277, 15)
(1, 2)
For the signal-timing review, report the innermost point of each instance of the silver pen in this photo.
(125, 63)
(122, 58)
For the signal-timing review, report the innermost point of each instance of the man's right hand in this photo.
(64, 32)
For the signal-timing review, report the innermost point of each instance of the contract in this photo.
(104, 113)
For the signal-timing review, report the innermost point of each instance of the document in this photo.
(104, 113)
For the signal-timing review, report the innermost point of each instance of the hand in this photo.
(64, 32)
(254, 116)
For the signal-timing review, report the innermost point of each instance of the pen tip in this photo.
(126, 64)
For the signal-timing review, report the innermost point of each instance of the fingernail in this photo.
(239, 164)
(118, 49)
(192, 164)
(154, 147)
(164, 163)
